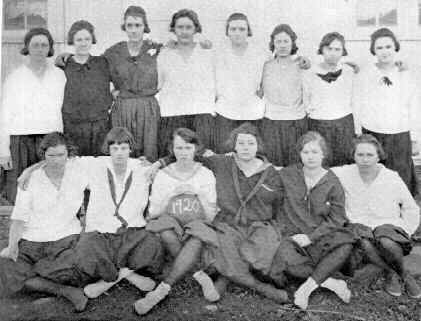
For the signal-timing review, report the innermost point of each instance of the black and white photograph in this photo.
(210, 160)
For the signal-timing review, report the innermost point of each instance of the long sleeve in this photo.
(5, 117)
(414, 113)
(410, 212)
(335, 216)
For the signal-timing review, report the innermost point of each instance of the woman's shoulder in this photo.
(117, 49)
(203, 171)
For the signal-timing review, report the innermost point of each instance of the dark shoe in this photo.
(393, 286)
(412, 288)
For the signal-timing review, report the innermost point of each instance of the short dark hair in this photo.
(329, 38)
(80, 25)
(288, 30)
(117, 135)
(380, 33)
(238, 16)
(189, 136)
(313, 136)
(36, 32)
(245, 128)
(55, 139)
(186, 13)
(136, 11)
(368, 139)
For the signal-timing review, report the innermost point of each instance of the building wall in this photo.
(310, 19)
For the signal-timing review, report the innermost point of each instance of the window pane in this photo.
(14, 14)
(24, 14)
(36, 13)
(377, 13)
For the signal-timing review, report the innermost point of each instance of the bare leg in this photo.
(221, 284)
(74, 295)
(171, 242)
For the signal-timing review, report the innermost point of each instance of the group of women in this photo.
(236, 214)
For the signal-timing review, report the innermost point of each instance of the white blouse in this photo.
(387, 109)
(328, 101)
(165, 182)
(50, 213)
(238, 79)
(186, 87)
(283, 89)
(31, 105)
(386, 200)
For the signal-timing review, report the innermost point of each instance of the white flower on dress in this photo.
(152, 52)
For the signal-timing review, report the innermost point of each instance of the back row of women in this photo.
(228, 218)
(209, 91)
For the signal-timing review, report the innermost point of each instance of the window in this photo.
(374, 13)
(24, 14)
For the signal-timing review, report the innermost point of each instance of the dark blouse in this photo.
(134, 76)
(87, 94)
(316, 212)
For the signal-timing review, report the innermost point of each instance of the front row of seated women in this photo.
(233, 215)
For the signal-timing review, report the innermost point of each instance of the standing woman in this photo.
(87, 96)
(239, 67)
(186, 82)
(283, 89)
(31, 107)
(314, 219)
(329, 98)
(134, 74)
(386, 106)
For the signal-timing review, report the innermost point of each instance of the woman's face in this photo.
(183, 151)
(332, 53)
(135, 28)
(312, 155)
(39, 47)
(184, 30)
(238, 31)
(366, 156)
(246, 146)
(56, 156)
(385, 50)
(120, 153)
(82, 41)
(282, 43)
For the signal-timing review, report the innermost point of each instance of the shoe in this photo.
(412, 287)
(151, 299)
(393, 286)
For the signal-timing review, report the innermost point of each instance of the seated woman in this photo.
(183, 200)
(115, 242)
(44, 228)
(248, 194)
(314, 218)
(383, 212)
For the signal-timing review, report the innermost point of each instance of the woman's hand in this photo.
(115, 93)
(208, 153)
(10, 253)
(354, 66)
(303, 62)
(301, 239)
(61, 59)
(152, 171)
(6, 162)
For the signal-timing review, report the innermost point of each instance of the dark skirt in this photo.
(339, 134)
(398, 149)
(88, 136)
(280, 138)
(242, 249)
(51, 260)
(102, 255)
(196, 228)
(141, 117)
(202, 124)
(24, 152)
(223, 129)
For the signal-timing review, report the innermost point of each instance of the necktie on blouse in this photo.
(111, 183)
(330, 76)
(386, 81)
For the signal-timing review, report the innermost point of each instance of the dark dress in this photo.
(136, 108)
(86, 104)
(319, 213)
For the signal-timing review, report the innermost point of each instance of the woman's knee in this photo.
(168, 236)
(389, 245)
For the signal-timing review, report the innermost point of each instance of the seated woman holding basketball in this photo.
(182, 202)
